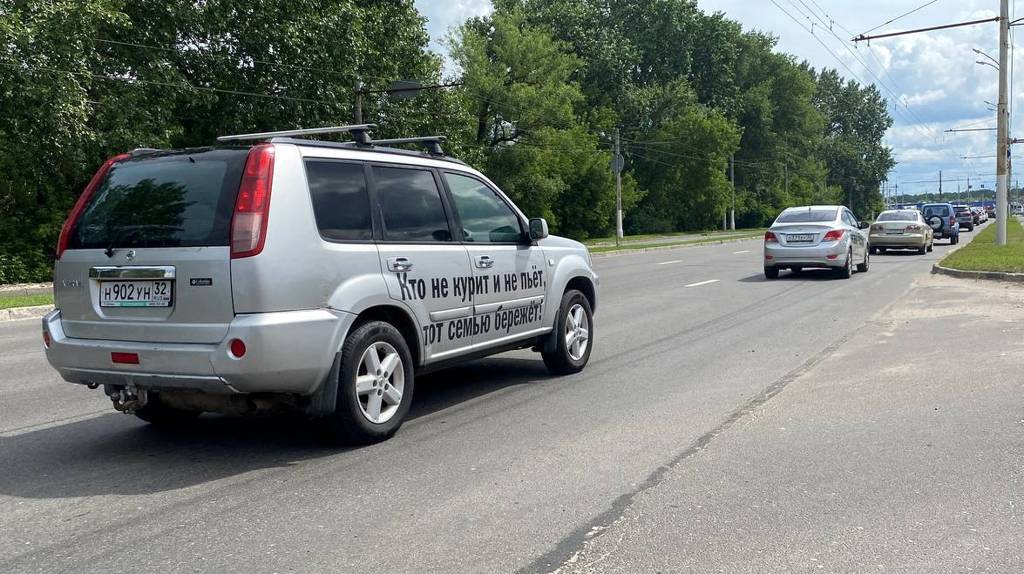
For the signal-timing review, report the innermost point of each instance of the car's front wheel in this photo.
(574, 331)
(375, 385)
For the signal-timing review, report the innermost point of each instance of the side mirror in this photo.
(538, 228)
(863, 225)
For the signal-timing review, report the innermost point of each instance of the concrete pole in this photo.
(732, 178)
(618, 190)
(1002, 131)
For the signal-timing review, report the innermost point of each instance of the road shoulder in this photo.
(899, 451)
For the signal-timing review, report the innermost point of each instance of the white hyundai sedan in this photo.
(816, 236)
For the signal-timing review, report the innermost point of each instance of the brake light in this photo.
(252, 207)
(913, 228)
(769, 237)
(834, 235)
(69, 224)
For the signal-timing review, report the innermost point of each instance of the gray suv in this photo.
(273, 273)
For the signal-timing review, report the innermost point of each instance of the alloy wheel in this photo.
(380, 382)
(577, 332)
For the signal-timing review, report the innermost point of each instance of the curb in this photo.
(985, 275)
(628, 251)
(19, 313)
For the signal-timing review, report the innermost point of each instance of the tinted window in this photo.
(485, 217)
(940, 210)
(807, 216)
(176, 200)
(340, 201)
(410, 205)
(898, 216)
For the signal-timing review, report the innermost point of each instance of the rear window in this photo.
(179, 200)
(960, 209)
(807, 216)
(898, 216)
(940, 210)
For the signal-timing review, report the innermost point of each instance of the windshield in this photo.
(179, 200)
(807, 216)
(898, 216)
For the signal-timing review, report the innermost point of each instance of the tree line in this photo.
(543, 87)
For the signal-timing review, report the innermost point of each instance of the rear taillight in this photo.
(76, 211)
(47, 341)
(834, 235)
(877, 228)
(913, 228)
(769, 237)
(252, 207)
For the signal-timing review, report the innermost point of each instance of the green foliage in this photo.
(545, 85)
(982, 254)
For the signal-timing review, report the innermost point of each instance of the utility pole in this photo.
(732, 178)
(618, 188)
(1002, 131)
(940, 185)
(359, 103)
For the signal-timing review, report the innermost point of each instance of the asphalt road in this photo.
(501, 467)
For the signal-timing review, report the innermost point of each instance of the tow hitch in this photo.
(128, 398)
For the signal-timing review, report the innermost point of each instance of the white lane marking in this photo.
(709, 281)
(738, 252)
(671, 262)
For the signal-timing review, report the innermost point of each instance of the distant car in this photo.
(964, 217)
(980, 216)
(901, 229)
(942, 219)
(821, 236)
(991, 211)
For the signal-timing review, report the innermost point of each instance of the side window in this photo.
(410, 205)
(850, 219)
(484, 216)
(340, 202)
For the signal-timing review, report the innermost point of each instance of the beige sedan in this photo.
(901, 229)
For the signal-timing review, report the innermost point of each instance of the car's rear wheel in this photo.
(574, 331)
(931, 246)
(863, 267)
(872, 250)
(923, 249)
(970, 228)
(375, 385)
(771, 272)
(846, 271)
(155, 412)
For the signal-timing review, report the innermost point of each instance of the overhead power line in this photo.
(863, 37)
(925, 5)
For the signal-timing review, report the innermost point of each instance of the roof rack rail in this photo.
(360, 133)
(432, 143)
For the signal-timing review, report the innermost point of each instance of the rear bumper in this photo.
(905, 240)
(831, 254)
(286, 352)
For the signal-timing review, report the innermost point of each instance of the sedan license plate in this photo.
(135, 293)
(796, 238)
(894, 232)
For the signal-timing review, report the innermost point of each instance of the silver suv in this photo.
(274, 273)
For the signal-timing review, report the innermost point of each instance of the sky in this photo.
(930, 80)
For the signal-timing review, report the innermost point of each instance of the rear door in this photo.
(149, 257)
(424, 267)
(509, 269)
(859, 240)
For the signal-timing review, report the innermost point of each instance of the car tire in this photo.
(883, 250)
(575, 319)
(846, 271)
(931, 246)
(970, 228)
(923, 249)
(156, 413)
(873, 250)
(369, 372)
(797, 270)
(863, 267)
(771, 272)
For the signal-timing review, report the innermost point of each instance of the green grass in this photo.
(10, 301)
(640, 238)
(740, 234)
(982, 254)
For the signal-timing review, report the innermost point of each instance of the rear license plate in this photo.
(799, 237)
(894, 232)
(135, 293)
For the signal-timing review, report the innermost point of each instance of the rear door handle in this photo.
(399, 264)
(484, 262)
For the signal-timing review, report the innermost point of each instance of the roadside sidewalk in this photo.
(899, 451)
